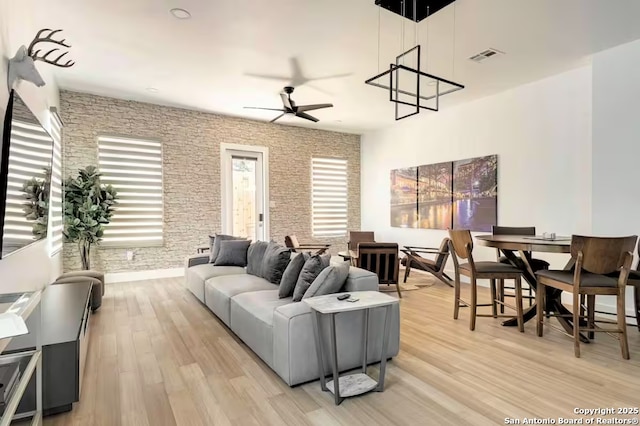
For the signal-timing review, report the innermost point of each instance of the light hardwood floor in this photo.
(159, 357)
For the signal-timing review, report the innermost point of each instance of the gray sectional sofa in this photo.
(279, 330)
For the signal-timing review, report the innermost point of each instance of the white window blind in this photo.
(134, 168)
(30, 156)
(55, 203)
(329, 197)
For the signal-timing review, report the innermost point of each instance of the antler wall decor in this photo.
(22, 65)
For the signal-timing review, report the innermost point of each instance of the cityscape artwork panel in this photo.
(452, 195)
(404, 203)
(475, 193)
(434, 195)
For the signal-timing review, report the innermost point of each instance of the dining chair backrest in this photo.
(460, 238)
(380, 258)
(441, 259)
(602, 255)
(356, 237)
(513, 230)
(291, 241)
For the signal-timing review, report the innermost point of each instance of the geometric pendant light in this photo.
(412, 89)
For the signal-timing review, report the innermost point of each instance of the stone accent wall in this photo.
(191, 163)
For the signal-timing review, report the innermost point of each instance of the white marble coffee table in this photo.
(359, 383)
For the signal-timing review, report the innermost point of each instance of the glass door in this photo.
(244, 201)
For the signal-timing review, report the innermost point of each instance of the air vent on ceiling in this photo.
(486, 54)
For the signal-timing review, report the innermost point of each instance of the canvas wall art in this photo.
(475, 193)
(434, 195)
(404, 203)
(452, 195)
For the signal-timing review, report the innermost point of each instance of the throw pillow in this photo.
(232, 253)
(310, 271)
(329, 281)
(216, 245)
(275, 261)
(254, 258)
(212, 239)
(290, 275)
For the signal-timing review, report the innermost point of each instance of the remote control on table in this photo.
(344, 296)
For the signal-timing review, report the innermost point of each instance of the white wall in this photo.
(616, 140)
(542, 135)
(616, 144)
(30, 268)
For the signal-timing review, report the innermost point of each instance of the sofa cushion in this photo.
(252, 320)
(291, 274)
(195, 276)
(219, 291)
(232, 253)
(311, 269)
(254, 257)
(218, 239)
(329, 281)
(275, 261)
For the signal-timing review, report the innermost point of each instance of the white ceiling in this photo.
(123, 47)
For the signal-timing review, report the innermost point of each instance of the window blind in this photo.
(55, 204)
(134, 168)
(30, 156)
(329, 197)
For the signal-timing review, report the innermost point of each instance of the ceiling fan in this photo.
(290, 107)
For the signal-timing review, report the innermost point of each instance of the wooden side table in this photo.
(359, 383)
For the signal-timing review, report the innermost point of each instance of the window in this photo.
(329, 197)
(55, 205)
(134, 168)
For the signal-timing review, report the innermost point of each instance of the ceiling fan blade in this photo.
(280, 116)
(303, 108)
(266, 109)
(307, 116)
(269, 77)
(285, 101)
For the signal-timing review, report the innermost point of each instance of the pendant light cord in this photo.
(379, 13)
(454, 42)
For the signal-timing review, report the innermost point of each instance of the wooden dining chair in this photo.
(596, 259)
(357, 237)
(413, 259)
(381, 258)
(536, 264)
(461, 247)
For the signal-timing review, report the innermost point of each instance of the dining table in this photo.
(524, 245)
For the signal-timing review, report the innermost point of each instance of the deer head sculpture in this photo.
(22, 66)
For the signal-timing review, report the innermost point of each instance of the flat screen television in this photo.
(25, 178)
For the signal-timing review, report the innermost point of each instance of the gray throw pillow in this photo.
(254, 258)
(310, 271)
(290, 275)
(232, 253)
(275, 261)
(212, 239)
(216, 245)
(331, 280)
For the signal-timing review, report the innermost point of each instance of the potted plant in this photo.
(36, 206)
(88, 206)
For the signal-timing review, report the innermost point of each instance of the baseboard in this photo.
(121, 277)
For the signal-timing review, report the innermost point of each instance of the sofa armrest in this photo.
(198, 259)
(361, 280)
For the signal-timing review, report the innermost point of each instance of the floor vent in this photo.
(486, 54)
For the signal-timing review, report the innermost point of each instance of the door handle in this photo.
(261, 217)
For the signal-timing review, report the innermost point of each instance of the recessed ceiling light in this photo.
(152, 90)
(180, 13)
